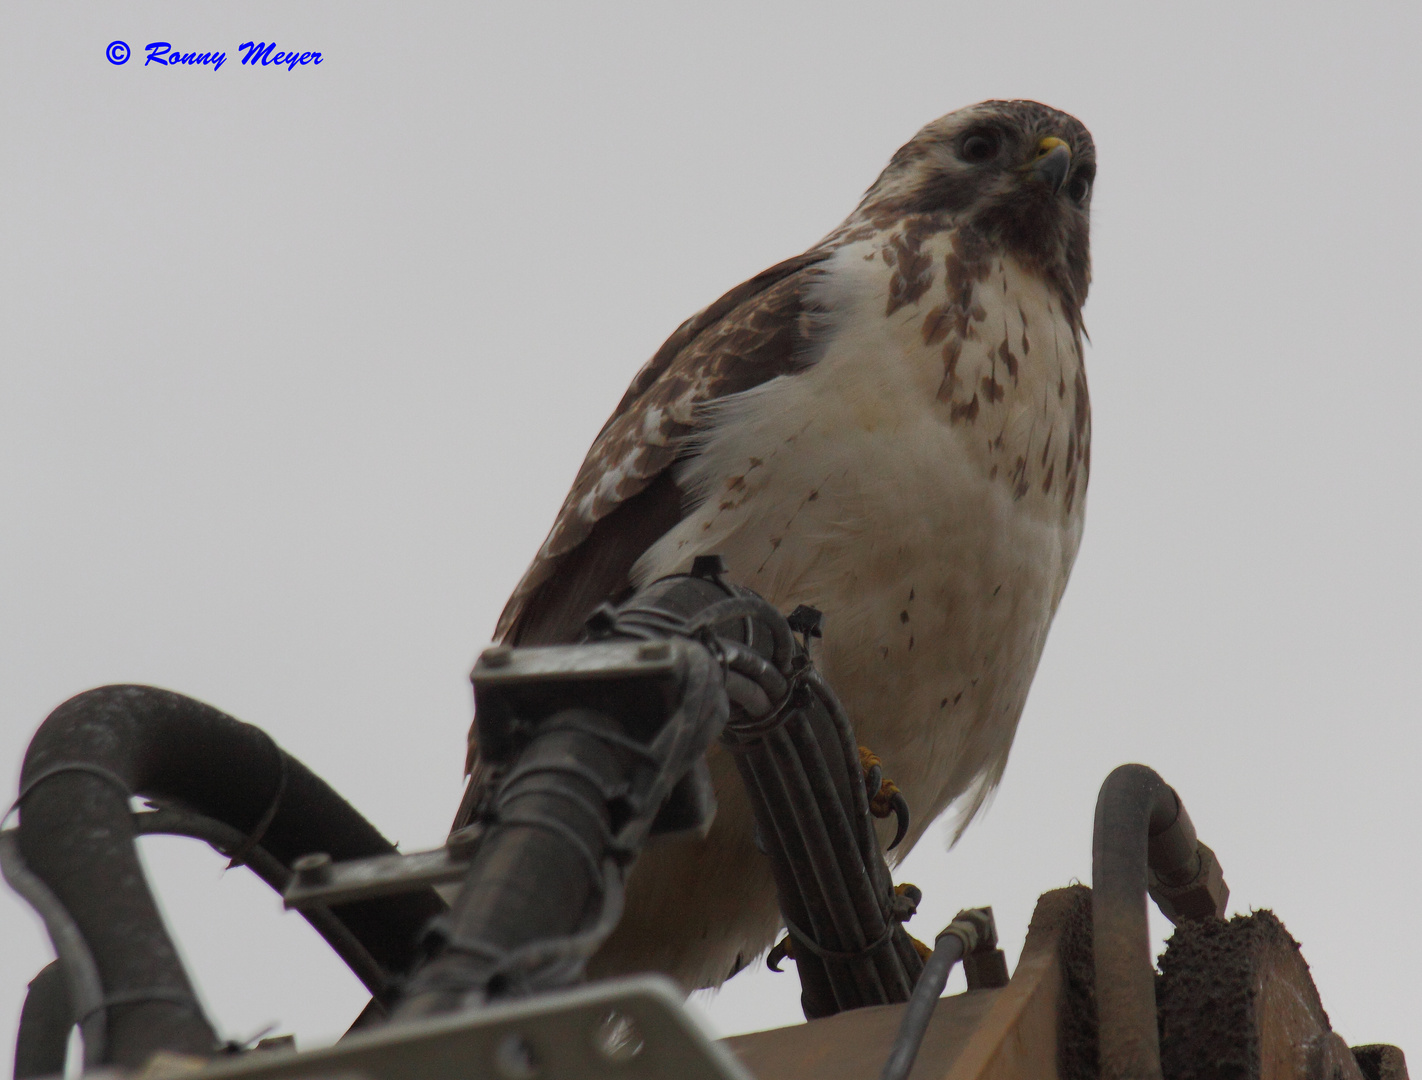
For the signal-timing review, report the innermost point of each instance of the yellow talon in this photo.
(881, 805)
(783, 949)
(887, 798)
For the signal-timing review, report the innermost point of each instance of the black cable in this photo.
(169, 820)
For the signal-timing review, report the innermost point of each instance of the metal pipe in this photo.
(947, 951)
(971, 931)
(1143, 840)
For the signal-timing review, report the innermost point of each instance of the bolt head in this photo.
(313, 869)
(463, 842)
(496, 656)
(1204, 898)
(653, 650)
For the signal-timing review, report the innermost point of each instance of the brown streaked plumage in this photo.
(893, 427)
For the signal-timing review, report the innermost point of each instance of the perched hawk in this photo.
(893, 428)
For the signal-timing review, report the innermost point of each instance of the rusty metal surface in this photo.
(1202, 897)
(1381, 1062)
(1236, 1000)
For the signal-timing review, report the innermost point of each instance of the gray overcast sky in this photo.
(297, 367)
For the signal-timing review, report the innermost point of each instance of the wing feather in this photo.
(624, 498)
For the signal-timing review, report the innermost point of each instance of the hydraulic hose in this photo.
(76, 837)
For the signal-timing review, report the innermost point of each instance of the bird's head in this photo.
(1015, 175)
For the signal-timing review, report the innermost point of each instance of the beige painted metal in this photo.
(1006, 1034)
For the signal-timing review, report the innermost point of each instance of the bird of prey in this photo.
(892, 427)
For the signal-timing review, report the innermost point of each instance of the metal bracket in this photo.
(318, 881)
(639, 682)
(621, 1029)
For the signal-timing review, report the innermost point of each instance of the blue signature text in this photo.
(162, 52)
(254, 53)
(261, 52)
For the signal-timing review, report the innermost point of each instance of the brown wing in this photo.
(625, 498)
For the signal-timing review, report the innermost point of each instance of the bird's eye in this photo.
(979, 146)
(1079, 188)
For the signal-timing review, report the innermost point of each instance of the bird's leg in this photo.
(885, 798)
(905, 907)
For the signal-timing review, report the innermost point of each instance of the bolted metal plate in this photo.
(379, 875)
(636, 683)
(499, 665)
(621, 1029)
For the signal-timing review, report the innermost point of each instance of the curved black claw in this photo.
(901, 812)
(874, 779)
(778, 953)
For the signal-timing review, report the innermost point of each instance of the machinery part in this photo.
(1026, 1029)
(970, 931)
(42, 1043)
(225, 840)
(1380, 1061)
(321, 883)
(804, 774)
(1236, 1000)
(594, 747)
(84, 993)
(1238, 996)
(620, 1029)
(76, 838)
(1141, 828)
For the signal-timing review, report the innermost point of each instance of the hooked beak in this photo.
(1052, 163)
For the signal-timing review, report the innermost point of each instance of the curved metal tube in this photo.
(1125, 975)
(947, 951)
(1143, 838)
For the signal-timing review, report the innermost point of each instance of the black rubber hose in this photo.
(76, 835)
(42, 1042)
(1134, 803)
(539, 871)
